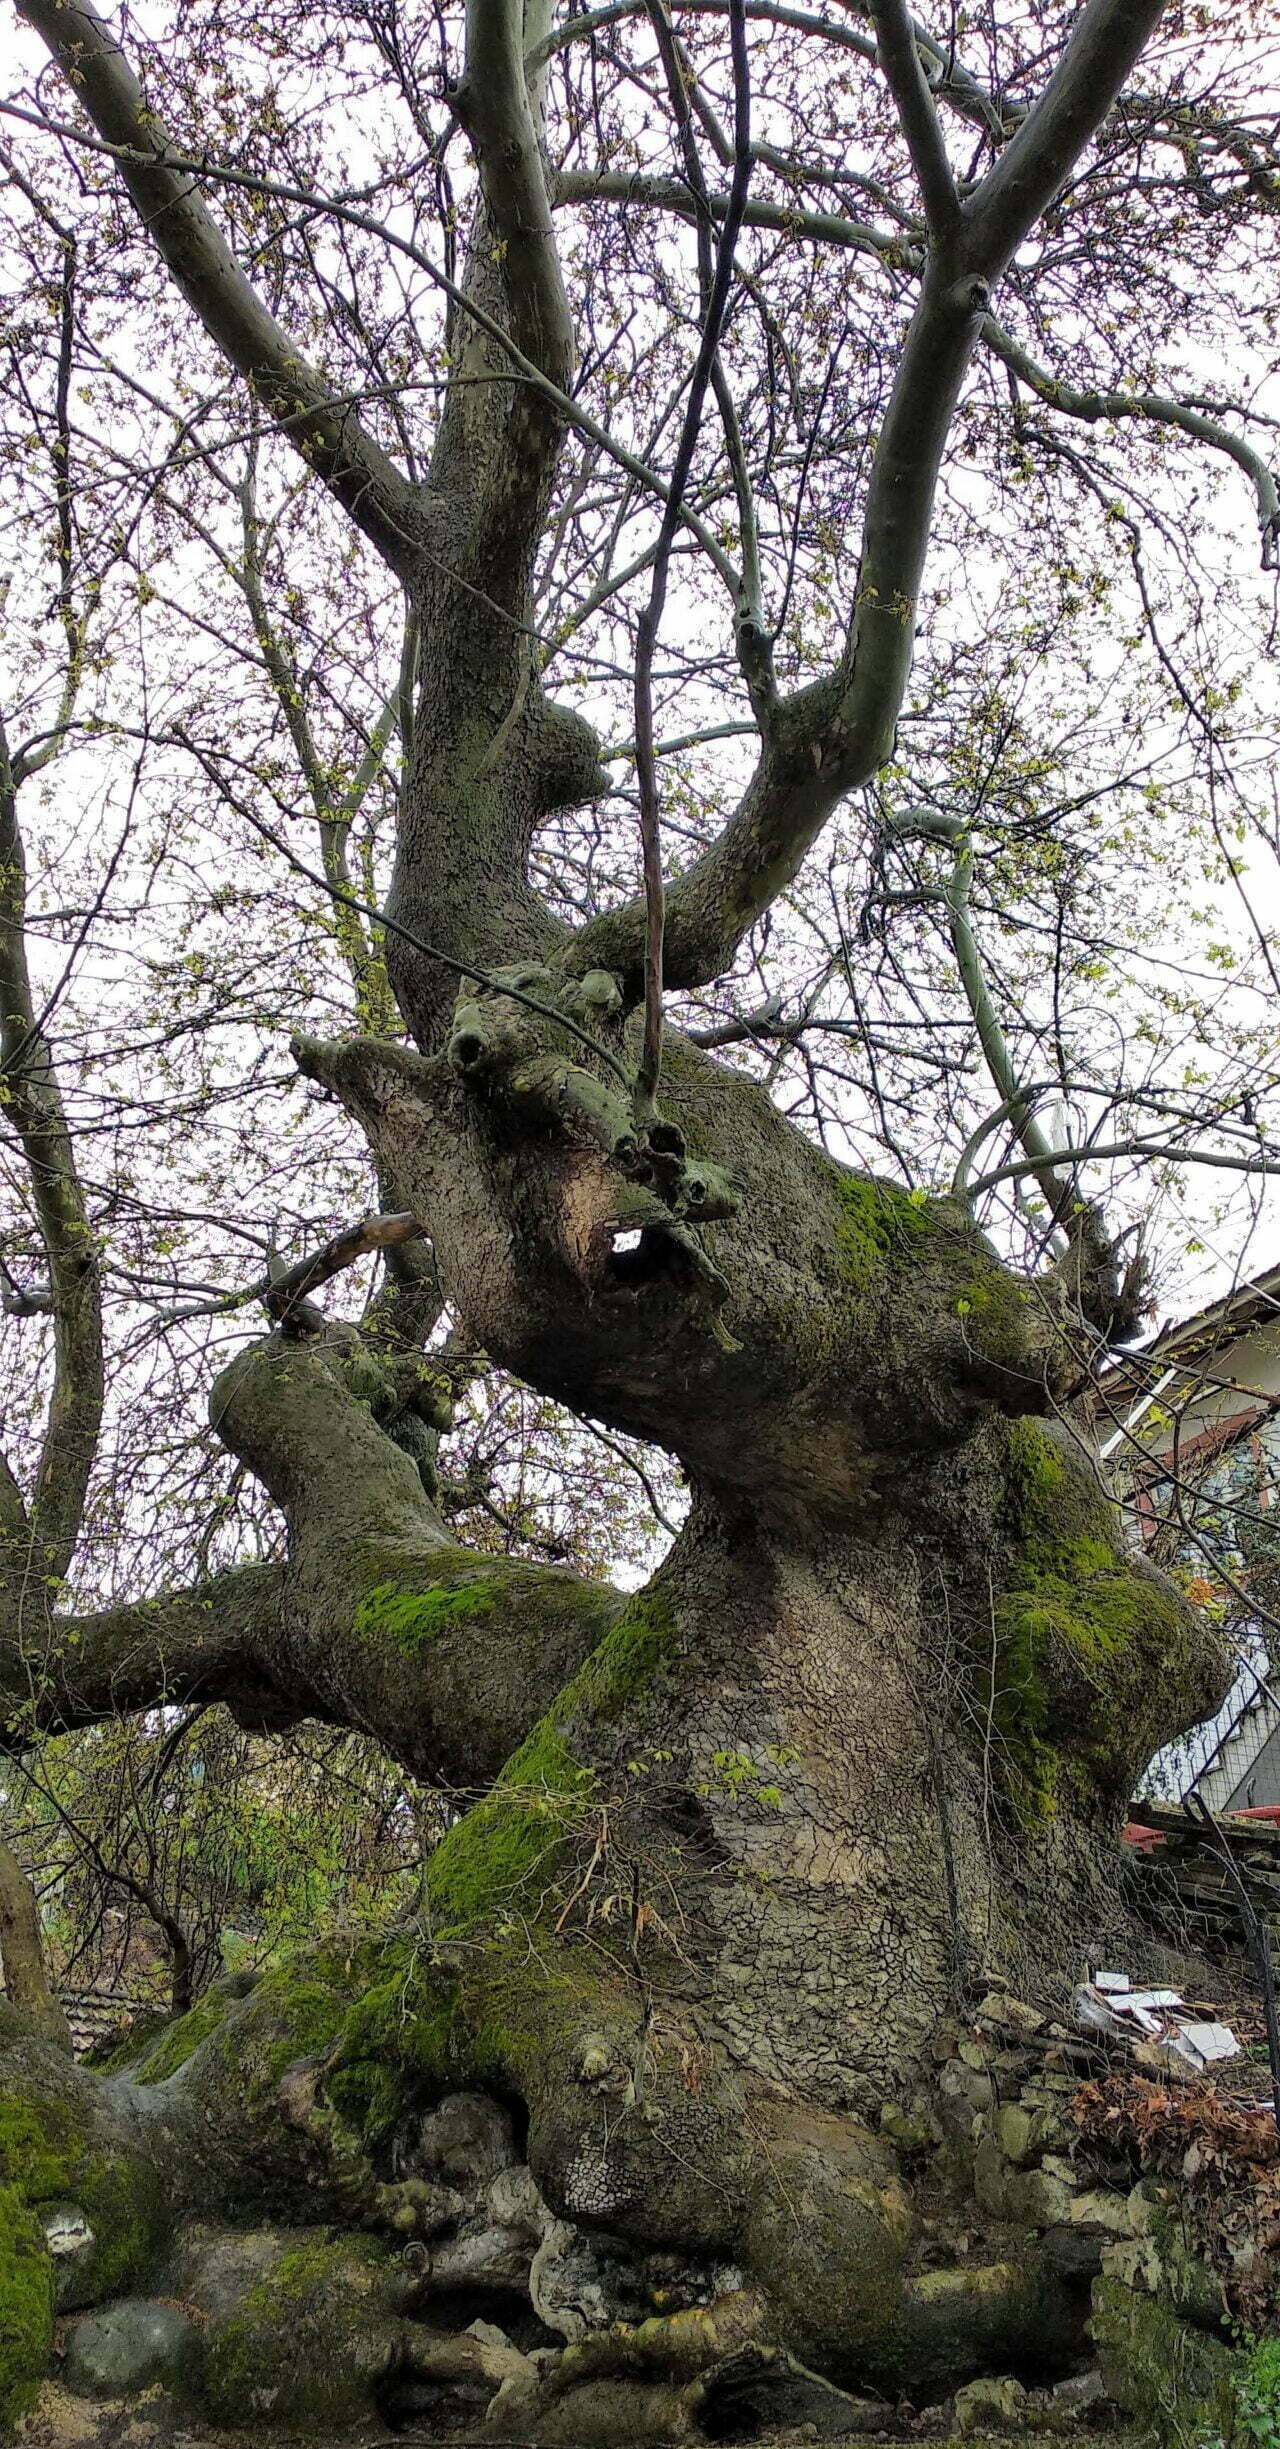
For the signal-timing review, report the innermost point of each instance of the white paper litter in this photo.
(1160, 2017)
(1212, 2041)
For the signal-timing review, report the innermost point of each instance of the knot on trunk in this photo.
(555, 1054)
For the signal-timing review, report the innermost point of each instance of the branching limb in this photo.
(323, 428)
(949, 80)
(358, 947)
(1148, 408)
(493, 105)
(707, 370)
(932, 825)
(1108, 1296)
(832, 737)
(668, 195)
(1107, 41)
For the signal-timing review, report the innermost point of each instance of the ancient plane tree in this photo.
(740, 1838)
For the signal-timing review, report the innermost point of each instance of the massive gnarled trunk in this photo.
(735, 1844)
(857, 1751)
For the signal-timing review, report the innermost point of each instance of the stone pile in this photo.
(1166, 2346)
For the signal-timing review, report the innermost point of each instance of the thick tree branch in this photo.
(323, 427)
(493, 104)
(715, 281)
(32, 1104)
(208, 1643)
(1107, 41)
(446, 1656)
(657, 194)
(900, 60)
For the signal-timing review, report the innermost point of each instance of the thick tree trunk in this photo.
(749, 1835)
(804, 1793)
(22, 1959)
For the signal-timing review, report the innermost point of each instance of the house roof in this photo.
(1182, 1342)
(1187, 1339)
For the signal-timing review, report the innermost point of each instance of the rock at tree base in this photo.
(127, 2346)
(989, 2406)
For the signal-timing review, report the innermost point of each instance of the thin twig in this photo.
(650, 619)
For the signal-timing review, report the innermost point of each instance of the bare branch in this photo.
(285, 1295)
(324, 429)
(671, 196)
(704, 372)
(1149, 408)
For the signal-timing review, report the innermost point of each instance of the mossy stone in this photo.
(307, 2344)
(50, 2152)
(1172, 2375)
(127, 2346)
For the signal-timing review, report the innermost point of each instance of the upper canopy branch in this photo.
(1107, 41)
(321, 425)
(833, 737)
(900, 58)
(494, 106)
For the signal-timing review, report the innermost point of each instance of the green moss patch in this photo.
(497, 1882)
(879, 1226)
(26, 2306)
(413, 1619)
(175, 2044)
(632, 1653)
(504, 1855)
(1086, 1639)
(996, 1308)
(465, 1590)
(1174, 2377)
